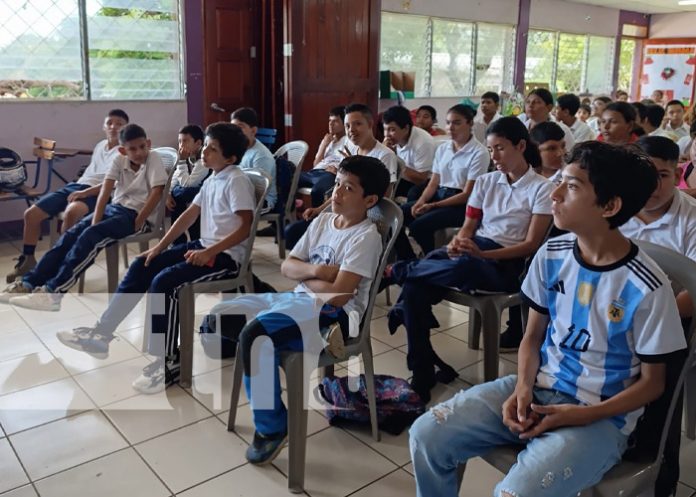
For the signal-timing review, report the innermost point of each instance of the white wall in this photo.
(495, 11)
(78, 125)
(673, 25)
(572, 17)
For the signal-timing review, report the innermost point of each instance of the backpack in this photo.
(13, 171)
(398, 405)
(284, 173)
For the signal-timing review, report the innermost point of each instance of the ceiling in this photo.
(643, 6)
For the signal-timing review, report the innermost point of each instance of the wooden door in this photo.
(231, 30)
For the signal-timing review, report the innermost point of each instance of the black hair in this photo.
(231, 138)
(399, 115)
(604, 99)
(569, 102)
(648, 101)
(511, 128)
(624, 108)
(193, 130)
(373, 174)
(247, 115)
(586, 108)
(463, 110)
(655, 113)
(621, 92)
(543, 94)
(430, 110)
(130, 132)
(674, 102)
(607, 168)
(546, 131)
(119, 113)
(641, 110)
(339, 112)
(491, 95)
(660, 147)
(362, 108)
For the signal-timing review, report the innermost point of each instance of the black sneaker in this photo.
(510, 340)
(157, 376)
(422, 383)
(265, 448)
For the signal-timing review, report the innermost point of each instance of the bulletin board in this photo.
(669, 65)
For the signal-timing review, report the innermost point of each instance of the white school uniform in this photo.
(133, 187)
(582, 132)
(222, 195)
(102, 158)
(419, 151)
(684, 143)
(332, 156)
(508, 208)
(568, 137)
(466, 164)
(381, 152)
(182, 177)
(479, 127)
(680, 132)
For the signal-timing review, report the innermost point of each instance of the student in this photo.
(426, 119)
(598, 105)
(618, 120)
(621, 96)
(538, 106)
(549, 138)
(566, 107)
(601, 325)
(187, 178)
(674, 119)
(321, 179)
(658, 97)
(257, 156)
(685, 142)
(649, 118)
(334, 263)
(486, 115)
(687, 182)
(225, 204)
(414, 146)
(507, 217)
(458, 162)
(76, 199)
(584, 113)
(137, 178)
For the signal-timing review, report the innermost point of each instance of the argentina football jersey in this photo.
(603, 321)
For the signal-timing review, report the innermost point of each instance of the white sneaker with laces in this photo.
(14, 289)
(39, 300)
(157, 376)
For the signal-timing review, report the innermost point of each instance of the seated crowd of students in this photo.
(562, 191)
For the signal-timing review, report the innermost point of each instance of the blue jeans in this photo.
(320, 181)
(558, 463)
(183, 196)
(55, 202)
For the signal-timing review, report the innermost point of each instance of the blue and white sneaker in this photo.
(265, 448)
(157, 376)
(87, 340)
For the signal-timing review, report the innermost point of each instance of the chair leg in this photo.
(370, 387)
(297, 422)
(387, 295)
(124, 252)
(491, 341)
(460, 474)
(280, 236)
(112, 268)
(474, 329)
(81, 284)
(236, 389)
(690, 403)
(186, 310)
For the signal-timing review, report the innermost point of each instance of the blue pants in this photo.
(77, 248)
(425, 281)
(55, 202)
(294, 231)
(183, 196)
(558, 463)
(320, 181)
(411, 191)
(162, 278)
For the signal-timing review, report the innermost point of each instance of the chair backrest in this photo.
(267, 136)
(169, 157)
(261, 183)
(159, 213)
(400, 166)
(295, 151)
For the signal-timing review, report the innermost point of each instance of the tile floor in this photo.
(72, 425)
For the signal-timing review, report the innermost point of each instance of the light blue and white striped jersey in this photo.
(603, 321)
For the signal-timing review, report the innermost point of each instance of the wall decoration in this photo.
(669, 65)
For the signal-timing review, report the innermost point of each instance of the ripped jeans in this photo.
(559, 463)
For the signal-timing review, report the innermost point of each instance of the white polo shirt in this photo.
(133, 187)
(381, 152)
(664, 133)
(479, 127)
(569, 139)
(419, 151)
(222, 195)
(508, 208)
(457, 167)
(684, 143)
(102, 158)
(582, 132)
(332, 157)
(675, 230)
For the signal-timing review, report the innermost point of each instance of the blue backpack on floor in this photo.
(398, 405)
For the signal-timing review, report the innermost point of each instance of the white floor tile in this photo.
(684, 491)
(214, 389)
(25, 491)
(68, 442)
(244, 426)
(454, 352)
(71, 307)
(380, 331)
(247, 481)
(391, 363)
(29, 371)
(480, 478)
(120, 474)
(473, 374)
(19, 344)
(11, 321)
(449, 317)
(11, 470)
(397, 484)
(112, 383)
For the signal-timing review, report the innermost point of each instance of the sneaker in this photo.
(265, 448)
(269, 230)
(41, 299)
(157, 376)
(25, 263)
(87, 340)
(13, 290)
(334, 344)
(510, 340)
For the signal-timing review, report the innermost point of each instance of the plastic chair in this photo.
(631, 478)
(267, 136)
(388, 218)
(690, 402)
(43, 151)
(187, 293)
(296, 152)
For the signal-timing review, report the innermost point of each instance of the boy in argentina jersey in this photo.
(602, 322)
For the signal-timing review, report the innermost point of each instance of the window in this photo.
(128, 49)
(403, 39)
(495, 49)
(571, 63)
(626, 60)
(541, 53)
(451, 58)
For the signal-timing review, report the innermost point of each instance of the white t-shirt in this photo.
(684, 143)
(133, 187)
(508, 208)
(594, 122)
(259, 157)
(479, 127)
(466, 164)
(569, 139)
(356, 249)
(222, 195)
(332, 157)
(665, 133)
(381, 152)
(182, 177)
(680, 132)
(419, 151)
(603, 321)
(582, 132)
(102, 158)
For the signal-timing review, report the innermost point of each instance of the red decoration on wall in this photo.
(648, 61)
(667, 73)
(692, 60)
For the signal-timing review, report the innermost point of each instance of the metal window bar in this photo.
(429, 58)
(554, 65)
(474, 58)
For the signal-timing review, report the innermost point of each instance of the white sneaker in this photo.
(39, 300)
(13, 290)
(87, 340)
(157, 376)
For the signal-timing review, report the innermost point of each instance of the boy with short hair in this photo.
(674, 119)
(584, 113)
(257, 156)
(566, 107)
(598, 105)
(618, 121)
(550, 139)
(426, 118)
(601, 325)
(487, 113)
(359, 122)
(137, 178)
(338, 255)
(187, 178)
(537, 107)
(225, 204)
(76, 199)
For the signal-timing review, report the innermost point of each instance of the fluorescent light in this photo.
(687, 2)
